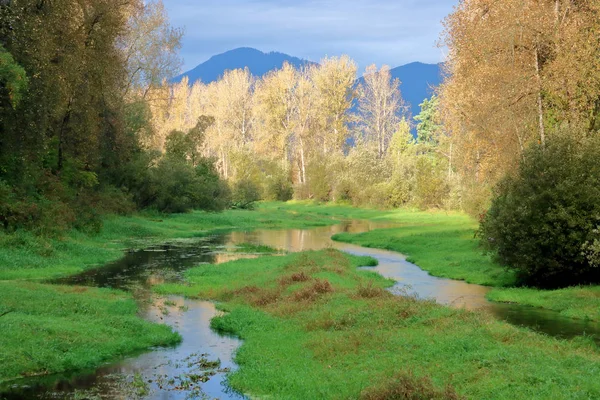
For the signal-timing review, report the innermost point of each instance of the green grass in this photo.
(49, 328)
(441, 243)
(25, 256)
(251, 248)
(314, 326)
(444, 244)
(575, 302)
(52, 329)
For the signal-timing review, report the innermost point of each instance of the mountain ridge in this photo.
(417, 78)
(259, 63)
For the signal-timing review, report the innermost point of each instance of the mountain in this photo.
(258, 63)
(417, 80)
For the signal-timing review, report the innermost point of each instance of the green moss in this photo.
(315, 326)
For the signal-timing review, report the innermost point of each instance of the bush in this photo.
(543, 220)
(244, 194)
(431, 187)
(278, 186)
(173, 185)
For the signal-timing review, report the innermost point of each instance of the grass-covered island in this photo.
(314, 326)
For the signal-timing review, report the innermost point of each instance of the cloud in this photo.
(392, 32)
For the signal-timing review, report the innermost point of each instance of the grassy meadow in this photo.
(46, 329)
(51, 328)
(444, 244)
(314, 326)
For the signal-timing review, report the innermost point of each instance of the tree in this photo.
(429, 127)
(150, 46)
(13, 79)
(543, 221)
(334, 81)
(517, 72)
(276, 110)
(231, 104)
(380, 107)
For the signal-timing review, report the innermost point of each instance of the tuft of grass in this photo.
(251, 248)
(406, 386)
(349, 340)
(49, 328)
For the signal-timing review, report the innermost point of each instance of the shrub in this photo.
(431, 188)
(244, 194)
(173, 185)
(542, 220)
(278, 186)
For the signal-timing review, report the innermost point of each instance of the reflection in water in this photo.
(139, 271)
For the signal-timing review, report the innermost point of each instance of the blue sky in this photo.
(393, 32)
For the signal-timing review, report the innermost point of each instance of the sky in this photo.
(392, 32)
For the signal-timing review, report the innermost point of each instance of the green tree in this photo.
(429, 127)
(543, 221)
(13, 79)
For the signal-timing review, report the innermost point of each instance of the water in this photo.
(139, 271)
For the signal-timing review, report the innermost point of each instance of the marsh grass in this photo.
(24, 255)
(316, 326)
(582, 302)
(444, 244)
(51, 328)
(47, 329)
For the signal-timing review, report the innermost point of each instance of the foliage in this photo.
(543, 217)
(278, 186)
(83, 117)
(431, 187)
(516, 71)
(13, 79)
(244, 194)
(173, 185)
(429, 126)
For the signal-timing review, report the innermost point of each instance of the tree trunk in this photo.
(542, 131)
(302, 162)
(61, 134)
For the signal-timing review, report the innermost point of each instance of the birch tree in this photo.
(380, 107)
(334, 81)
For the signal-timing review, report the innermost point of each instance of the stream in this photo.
(156, 374)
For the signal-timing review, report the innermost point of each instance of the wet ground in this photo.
(197, 368)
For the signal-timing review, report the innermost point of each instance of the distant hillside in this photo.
(258, 63)
(417, 79)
